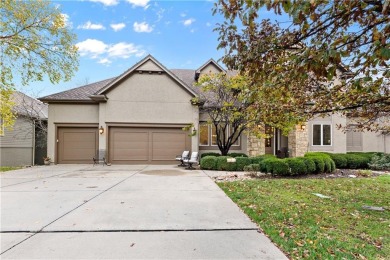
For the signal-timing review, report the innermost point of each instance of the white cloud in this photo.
(139, 3)
(104, 61)
(188, 22)
(106, 2)
(208, 24)
(160, 14)
(183, 14)
(96, 49)
(117, 26)
(124, 50)
(91, 26)
(142, 27)
(92, 48)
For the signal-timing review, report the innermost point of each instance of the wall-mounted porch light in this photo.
(101, 130)
(303, 127)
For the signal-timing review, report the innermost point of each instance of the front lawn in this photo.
(306, 226)
(6, 168)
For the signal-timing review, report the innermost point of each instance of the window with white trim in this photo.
(208, 135)
(322, 135)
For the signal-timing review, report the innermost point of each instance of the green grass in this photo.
(306, 226)
(6, 168)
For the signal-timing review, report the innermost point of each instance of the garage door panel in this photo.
(129, 146)
(130, 154)
(146, 145)
(167, 145)
(77, 144)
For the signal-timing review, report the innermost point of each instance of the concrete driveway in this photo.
(117, 212)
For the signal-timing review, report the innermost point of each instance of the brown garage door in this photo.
(77, 144)
(146, 145)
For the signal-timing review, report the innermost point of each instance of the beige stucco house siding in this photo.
(338, 137)
(149, 98)
(68, 114)
(370, 141)
(210, 68)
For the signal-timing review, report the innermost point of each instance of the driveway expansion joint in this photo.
(134, 230)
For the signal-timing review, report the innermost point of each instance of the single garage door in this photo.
(77, 144)
(146, 145)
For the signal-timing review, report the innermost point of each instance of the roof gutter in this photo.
(99, 98)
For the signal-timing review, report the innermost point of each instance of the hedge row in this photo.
(234, 155)
(270, 164)
(312, 162)
(220, 163)
(352, 160)
(298, 165)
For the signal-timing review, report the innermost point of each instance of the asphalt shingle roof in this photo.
(28, 106)
(80, 93)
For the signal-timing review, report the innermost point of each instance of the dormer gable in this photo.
(211, 66)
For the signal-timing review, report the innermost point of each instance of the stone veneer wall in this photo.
(256, 146)
(298, 141)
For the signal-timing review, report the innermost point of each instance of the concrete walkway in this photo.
(123, 212)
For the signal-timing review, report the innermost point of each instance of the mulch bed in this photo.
(339, 173)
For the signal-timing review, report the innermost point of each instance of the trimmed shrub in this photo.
(339, 159)
(280, 167)
(320, 164)
(208, 163)
(380, 161)
(310, 164)
(258, 159)
(357, 161)
(241, 162)
(266, 164)
(333, 166)
(223, 165)
(235, 155)
(328, 164)
(297, 166)
(210, 154)
(368, 155)
(310, 154)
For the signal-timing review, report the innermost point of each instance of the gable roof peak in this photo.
(212, 61)
(149, 57)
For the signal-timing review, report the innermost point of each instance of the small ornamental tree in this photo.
(223, 99)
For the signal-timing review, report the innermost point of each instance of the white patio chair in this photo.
(193, 160)
(181, 157)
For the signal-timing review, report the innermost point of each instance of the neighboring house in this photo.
(24, 144)
(137, 118)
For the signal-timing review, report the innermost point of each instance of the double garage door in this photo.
(126, 145)
(146, 145)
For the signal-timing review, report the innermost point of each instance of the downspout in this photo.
(33, 148)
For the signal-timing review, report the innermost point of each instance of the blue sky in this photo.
(115, 34)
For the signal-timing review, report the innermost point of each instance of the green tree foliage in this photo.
(224, 101)
(34, 42)
(331, 56)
